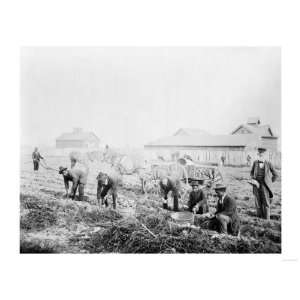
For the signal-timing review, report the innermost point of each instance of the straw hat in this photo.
(220, 186)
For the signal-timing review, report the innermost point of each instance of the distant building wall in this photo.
(235, 156)
(69, 144)
(270, 143)
(92, 144)
(76, 144)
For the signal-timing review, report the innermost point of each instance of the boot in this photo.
(104, 202)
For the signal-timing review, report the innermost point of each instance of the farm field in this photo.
(50, 223)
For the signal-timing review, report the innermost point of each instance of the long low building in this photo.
(204, 147)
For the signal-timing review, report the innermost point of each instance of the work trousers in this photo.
(220, 223)
(80, 187)
(262, 201)
(175, 200)
(102, 191)
(36, 165)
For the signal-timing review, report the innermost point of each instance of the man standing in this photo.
(248, 160)
(110, 156)
(197, 201)
(264, 173)
(223, 158)
(78, 178)
(36, 156)
(226, 219)
(106, 183)
(168, 185)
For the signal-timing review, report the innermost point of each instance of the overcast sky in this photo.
(135, 95)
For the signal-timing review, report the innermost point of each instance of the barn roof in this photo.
(190, 131)
(78, 136)
(240, 140)
(261, 130)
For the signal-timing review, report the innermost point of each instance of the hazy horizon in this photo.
(131, 96)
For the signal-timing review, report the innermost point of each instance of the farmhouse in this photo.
(262, 132)
(205, 147)
(77, 139)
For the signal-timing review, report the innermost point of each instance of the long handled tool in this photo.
(47, 167)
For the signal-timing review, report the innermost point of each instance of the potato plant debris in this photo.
(50, 223)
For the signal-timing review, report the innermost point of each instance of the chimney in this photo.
(254, 121)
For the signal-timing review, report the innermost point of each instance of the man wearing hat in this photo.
(197, 201)
(264, 173)
(226, 219)
(78, 178)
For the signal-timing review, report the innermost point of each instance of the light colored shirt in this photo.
(222, 199)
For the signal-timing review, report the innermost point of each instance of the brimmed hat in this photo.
(61, 169)
(194, 183)
(261, 149)
(220, 186)
(198, 180)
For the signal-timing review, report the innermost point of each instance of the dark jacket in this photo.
(195, 198)
(104, 184)
(270, 173)
(111, 183)
(36, 156)
(229, 208)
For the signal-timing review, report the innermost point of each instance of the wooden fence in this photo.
(233, 157)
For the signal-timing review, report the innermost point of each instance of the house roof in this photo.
(190, 131)
(239, 140)
(78, 136)
(261, 130)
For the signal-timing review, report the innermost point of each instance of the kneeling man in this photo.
(226, 219)
(197, 201)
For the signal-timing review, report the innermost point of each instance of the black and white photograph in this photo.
(161, 150)
(149, 149)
